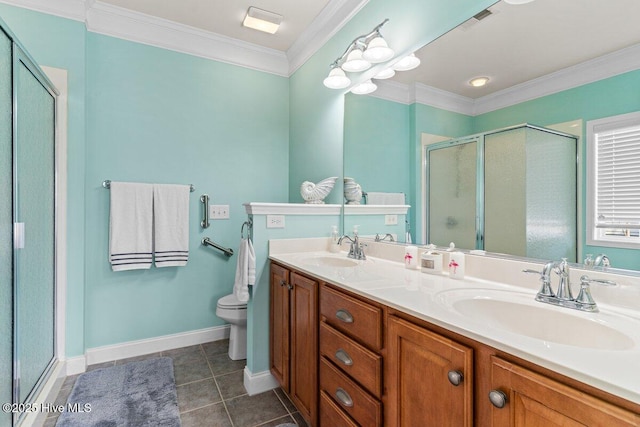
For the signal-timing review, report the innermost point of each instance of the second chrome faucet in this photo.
(564, 297)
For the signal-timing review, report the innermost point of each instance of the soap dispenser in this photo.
(334, 247)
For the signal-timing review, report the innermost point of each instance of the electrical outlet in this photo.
(275, 221)
(391, 220)
(219, 211)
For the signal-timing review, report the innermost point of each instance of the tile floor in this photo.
(210, 390)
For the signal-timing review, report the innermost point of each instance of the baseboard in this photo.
(75, 365)
(154, 345)
(259, 382)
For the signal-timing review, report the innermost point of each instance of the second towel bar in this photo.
(208, 242)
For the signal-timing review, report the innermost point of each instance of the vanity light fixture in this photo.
(479, 81)
(262, 20)
(364, 88)
(359, 55)
(407, 63)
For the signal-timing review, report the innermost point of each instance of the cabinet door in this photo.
(304, 346)
(533, 400)
(279, 325)
(417, 371)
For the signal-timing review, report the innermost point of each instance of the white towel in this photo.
(245, 270)
(376, 198)
(171, 224)
(130, 226)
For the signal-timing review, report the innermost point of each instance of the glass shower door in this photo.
(34, 217)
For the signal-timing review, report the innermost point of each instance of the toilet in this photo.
(235, 313)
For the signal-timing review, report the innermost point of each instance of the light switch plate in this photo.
(218, 211)
(275, 221)
(390, 219)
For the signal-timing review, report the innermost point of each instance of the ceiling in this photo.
(224, 17)
(520, 43)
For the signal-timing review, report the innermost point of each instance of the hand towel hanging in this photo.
(171, 224)
(245, 270)
(130, 226)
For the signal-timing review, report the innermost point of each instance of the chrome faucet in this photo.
(380, 239)
(356, 251)
(564, 298)
(602, 260)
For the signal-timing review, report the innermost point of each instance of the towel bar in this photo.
(107, 184)
(208, 242)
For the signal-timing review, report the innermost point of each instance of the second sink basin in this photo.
(329, 261)
(519, 313)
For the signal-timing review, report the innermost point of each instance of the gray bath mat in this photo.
(136, 394)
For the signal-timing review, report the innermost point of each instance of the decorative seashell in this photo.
(315, 193)
(352, 192)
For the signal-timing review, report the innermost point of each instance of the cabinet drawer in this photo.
(356, 318)
(351, 398)
(331, 415)
(361, 364)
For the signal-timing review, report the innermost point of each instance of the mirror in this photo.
(549, 63)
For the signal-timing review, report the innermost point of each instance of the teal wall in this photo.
(159, 116)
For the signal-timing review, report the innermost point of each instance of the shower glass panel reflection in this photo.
(511, 191)
(453, 192)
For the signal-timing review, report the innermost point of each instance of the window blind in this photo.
(618, 177)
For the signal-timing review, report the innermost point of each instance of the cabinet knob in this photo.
(344, 397)
(284, 283)
(455, 377)
(498, 398)
(344, 315)
(344, 357)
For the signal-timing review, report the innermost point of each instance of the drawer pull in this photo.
(455, 377)
(344, 398)
(344, 357)
(498, 398)
(344, 315)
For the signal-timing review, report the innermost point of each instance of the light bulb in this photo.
(364, 88)
(407, 63)
(355, 63)
(387, 73)
(378, 51)
(337, 79)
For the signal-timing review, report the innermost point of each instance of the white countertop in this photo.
(428, 297)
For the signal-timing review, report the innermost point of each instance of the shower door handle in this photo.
(18, 235)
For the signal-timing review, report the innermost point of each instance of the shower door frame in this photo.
(22, 58)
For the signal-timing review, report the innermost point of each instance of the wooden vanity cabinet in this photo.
(350, 363)
(428, 377)
(532, 400)
(294, 338)
(381, 367)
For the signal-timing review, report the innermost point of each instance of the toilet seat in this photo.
(230, 302)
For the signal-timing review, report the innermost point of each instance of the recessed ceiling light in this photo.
(479, 81)
(262, 20)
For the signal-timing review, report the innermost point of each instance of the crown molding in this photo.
(114, 21)
(612, 64)
(331, 19)
(70, 9)
(122, 23)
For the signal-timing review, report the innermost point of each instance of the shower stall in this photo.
(510, 191)
(27, 227)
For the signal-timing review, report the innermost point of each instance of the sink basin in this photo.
(519, 313)
(328, 261)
